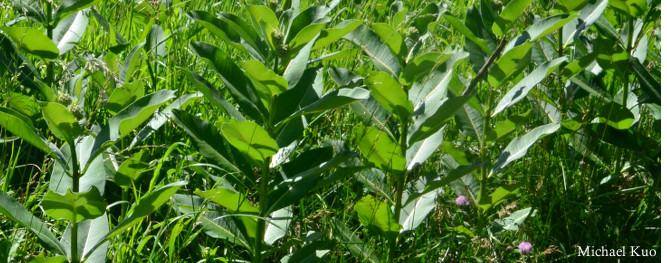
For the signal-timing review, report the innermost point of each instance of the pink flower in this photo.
(462, 201)
(525, 247)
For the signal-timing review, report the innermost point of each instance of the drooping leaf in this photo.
(500, 194)
(435, 118)
(16, 212)
(235, 80)
(214, 96)
(509, 64)
(89, 231)
(421, 66)
(336, 98)
(521, 89)
(377, 147)
(587, 17)
(251, 140)
(94, 171)
(419, 151)
(21, 126)
(510, 13)
(155, 41)
(61, 121)
(68, 32)
(124, 95)
(130, 170)
(74, 207)
(379, 52)
(130, 117)
(428, 95)
(470, 36)
(390, 94)
(32, 41)
(413, 213)
(471, 122)
(267, 83)
(376, 215)
(278, 225)
(519, 146)
(297, 66)
(330, 35)
(229, 31)
(68, 7)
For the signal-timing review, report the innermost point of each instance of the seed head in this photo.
(525, 247)
(64, 99)
(76, 111)
(462, 201)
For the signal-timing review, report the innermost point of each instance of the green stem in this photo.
(261, 223)
(49, 33)
(75, 189)
(626, 87)
(399, 185)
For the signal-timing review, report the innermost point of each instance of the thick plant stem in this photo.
(399, 185)
(261, 223)
(49, 33)
(626, 87)
(75, 189)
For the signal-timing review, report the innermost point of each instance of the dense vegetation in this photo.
(343, 131)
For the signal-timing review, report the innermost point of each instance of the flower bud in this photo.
(64, 99)
(76, 111)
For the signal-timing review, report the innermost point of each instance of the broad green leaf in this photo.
(391, 37)
(30, 9)
(228, 31)
(32, 41)
(587, 17)
(331, 35)
(377, 147)
(336, 98)
(421, 66)
(132, 61)
(266, 82)
(497, 196)
(512, 222)
(377, 216)
(307, 91)
(24, 104)
(155, 41)
(414, 212)
(509, 65)
(293, 189)
(373, 114)
(124, 95)
(510, 13)
(130, 117)
(422, 150)
(209, 142)
(14, 62)
(144, 207)
(13, 210)
(235, 80)
(21, 126)
(214, 96)
(70, 30)
(309, 16)
(521, 89)
(429, 94)
(577, 66)
(379, 52)
(74, 207)
(548, 25)
(68, 7)
(615, 116)
(435, 118)
(251, 140)
(471, 121)
(463, 29)
(229, 199)
(222, 227)
(304, 36)
(42, 259)
(634, 8)
(362, 251)
(519, 146)
(570, 5)
(390, 94)
(451, 176)
(278, 225)
(94, 171)
(61, 121)
(160, 118)
(263, 13)
(312, 252)
(88, 233)
(297, 66)
(130, 170)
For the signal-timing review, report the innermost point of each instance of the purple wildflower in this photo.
(525, 247)
(509, 248)
(462, 201)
